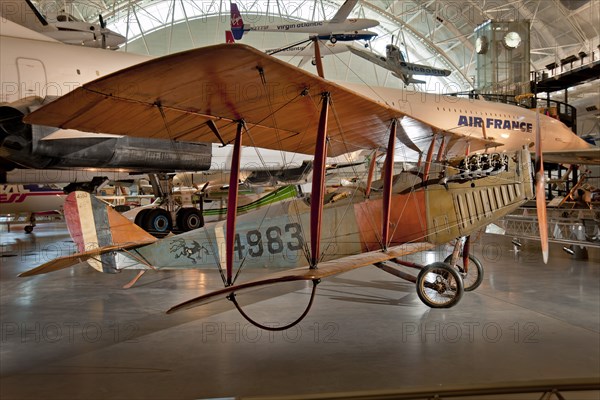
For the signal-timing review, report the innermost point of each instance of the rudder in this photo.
(93, 224)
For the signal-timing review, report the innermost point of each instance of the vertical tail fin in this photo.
(229, 37)
(237, 23)
(94, 224)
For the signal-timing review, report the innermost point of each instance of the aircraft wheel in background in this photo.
(158, 222)
(439, 285)
(139, 218)
(189, 219)
(474, 277)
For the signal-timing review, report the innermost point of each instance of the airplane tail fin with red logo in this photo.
(237, 23)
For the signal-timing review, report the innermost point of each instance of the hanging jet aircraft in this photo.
(395, 62)
(338, 28)
(61, 26)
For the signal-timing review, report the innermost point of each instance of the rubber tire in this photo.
(333, 40)
(158, 222)
(140, 217)
(28, 228)
(189, 219)
(470, 283)
(446, 270)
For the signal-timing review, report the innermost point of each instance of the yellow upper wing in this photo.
(173, 97)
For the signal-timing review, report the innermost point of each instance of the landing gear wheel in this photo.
(474, 277)
(140, 217)
(158, 222)
(333, 39)
(189, 219)
(439, 285)
(28, 228)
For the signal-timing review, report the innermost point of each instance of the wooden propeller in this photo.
(540, 194)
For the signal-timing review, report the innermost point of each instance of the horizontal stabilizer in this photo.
(324, 270)
(74, 259)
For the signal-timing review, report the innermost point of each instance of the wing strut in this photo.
(428, 159)
(387, 186)
(372, 164)
(441, 151)
(213, 127)
(318, 61)
(232, 202)
(318, 183)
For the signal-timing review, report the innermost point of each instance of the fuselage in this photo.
(15, 199)
(512, 126)
(317, 27)
(307, 50)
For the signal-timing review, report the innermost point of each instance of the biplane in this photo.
(235, 94)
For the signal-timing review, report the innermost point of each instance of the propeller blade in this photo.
(540, 193)
(101, 20)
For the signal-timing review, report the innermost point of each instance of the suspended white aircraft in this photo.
(62, 26)
(337, 28)
(395, 62)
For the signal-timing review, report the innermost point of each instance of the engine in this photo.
(23, 144)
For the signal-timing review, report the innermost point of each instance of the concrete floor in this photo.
(76, 334)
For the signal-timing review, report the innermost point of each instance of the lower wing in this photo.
(325, 269)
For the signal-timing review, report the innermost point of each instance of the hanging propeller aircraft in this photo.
(401, 68)
(63, 26)
(359, 230)
(230, 92)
